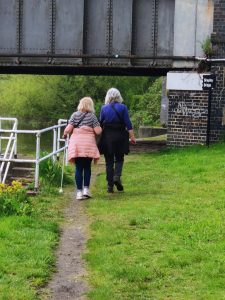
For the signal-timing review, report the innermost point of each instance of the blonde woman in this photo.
(84, 126)
(117, 130)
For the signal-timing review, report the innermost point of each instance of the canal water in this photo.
(26, 144)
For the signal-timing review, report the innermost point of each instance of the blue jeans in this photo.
(83, 172)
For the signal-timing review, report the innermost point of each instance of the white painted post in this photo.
(0, 139)
(58, 138)
(38, 143)
(15, 149)
(8, 163)
(54, 144)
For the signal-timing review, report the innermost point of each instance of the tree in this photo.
(39, 101)
(145, 109)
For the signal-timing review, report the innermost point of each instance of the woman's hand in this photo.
(133, 140)
(97, 130)
(132, 137)
(68, 130)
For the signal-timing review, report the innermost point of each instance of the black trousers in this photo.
(114, 167)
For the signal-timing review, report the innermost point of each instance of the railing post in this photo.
(0, 139)
(58, 138)
(38, 143)
(8, 163)
(15, 149)
(11, 137)
(54, 144)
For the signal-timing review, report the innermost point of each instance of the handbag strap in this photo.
(116, 111)
(81, 119)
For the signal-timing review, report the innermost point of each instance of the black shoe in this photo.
(118, 185)
(110, 189)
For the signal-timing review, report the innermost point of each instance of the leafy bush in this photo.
(51, 172)
(145, 109)
(14, 200)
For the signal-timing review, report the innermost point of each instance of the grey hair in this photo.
(113, 95)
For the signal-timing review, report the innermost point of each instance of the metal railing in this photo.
(11, 148)
(7, 157)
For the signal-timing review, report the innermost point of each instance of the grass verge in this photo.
(27, 246)
(164, 238)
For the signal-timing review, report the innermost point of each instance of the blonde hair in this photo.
(113, 95)
(86, 105)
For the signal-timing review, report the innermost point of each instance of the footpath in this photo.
(69, 282)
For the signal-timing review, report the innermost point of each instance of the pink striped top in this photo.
(82, 143)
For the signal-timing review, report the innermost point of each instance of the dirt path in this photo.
(69, 283)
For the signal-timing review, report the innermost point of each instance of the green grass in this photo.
(27, 246)
(164, 238)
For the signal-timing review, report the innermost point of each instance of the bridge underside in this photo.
(63, 70)
(102, 36)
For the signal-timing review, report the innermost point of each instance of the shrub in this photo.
(14, 200)
(51, 172)
(145, 108)
(207, 47)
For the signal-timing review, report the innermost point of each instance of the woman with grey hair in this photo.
(117, 130)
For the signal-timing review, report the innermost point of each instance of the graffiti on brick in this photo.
(194, 111)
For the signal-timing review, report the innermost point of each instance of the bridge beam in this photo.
(92, 34)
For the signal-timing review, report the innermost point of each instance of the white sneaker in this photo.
(86, 192)
(79, 195)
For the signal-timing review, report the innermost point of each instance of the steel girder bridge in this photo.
(102, 36)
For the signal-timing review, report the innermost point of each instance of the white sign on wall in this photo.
(184, 81)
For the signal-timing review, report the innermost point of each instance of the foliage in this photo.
(145, 109)
(163, 238)
(39, 101)
(204, 65)
(27, 248)
(51, 172)
(207, 47)
(14, 200)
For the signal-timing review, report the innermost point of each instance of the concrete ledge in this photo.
(142, 146)
(146, 131)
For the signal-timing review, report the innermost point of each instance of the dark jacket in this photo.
(115, 137)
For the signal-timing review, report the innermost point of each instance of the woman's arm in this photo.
(128, 124)
(96, 126)
(126, 118)
(101, 116)
(68, 130)
(98, 130)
